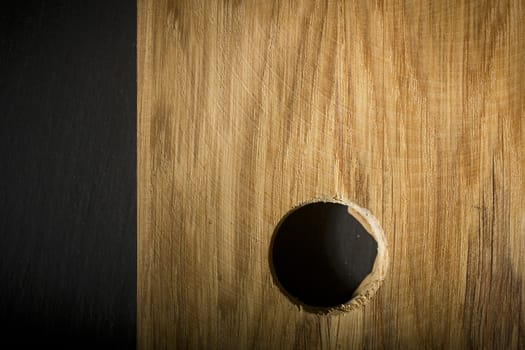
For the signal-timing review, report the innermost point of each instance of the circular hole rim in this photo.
(370, 284)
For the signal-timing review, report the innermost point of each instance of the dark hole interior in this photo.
(320, 254)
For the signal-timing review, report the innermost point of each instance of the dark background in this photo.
(67, 173)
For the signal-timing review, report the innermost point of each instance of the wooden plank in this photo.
(413, 110)
(68, 244)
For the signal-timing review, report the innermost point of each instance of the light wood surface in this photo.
(412, 109)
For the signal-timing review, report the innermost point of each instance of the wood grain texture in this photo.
(67, 174)
(414, 110)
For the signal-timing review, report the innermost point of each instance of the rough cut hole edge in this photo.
(369, 286)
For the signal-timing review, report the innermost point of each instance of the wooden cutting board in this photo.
(414, 110)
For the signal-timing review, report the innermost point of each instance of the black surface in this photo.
(67, 171)
(320, 254)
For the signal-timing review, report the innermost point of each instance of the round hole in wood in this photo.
(329, 255)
